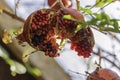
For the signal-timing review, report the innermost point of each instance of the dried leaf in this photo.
(1, 10)
(6, 38)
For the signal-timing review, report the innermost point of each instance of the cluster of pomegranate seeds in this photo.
(64, 28)
(83, 42)
(39, 33)
(42, 33)
(44, 27)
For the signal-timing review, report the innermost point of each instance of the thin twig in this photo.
(105, 6)
(110, 61)
(78, 4)
(94, 5)
(98, 30)
(53, 4)
(16, 5)
(61, 3)
(115, 37)
(78, 73)
(100, 59)
(107, 52)
(13, 15)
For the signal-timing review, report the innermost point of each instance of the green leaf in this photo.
(69, 17)
(102, 19)
(109, 29)
(104, 22)
(101, 3)
(116, 25)
(109, 1)
(98, 16)
(86, 10)
(101, 16)
(78, 28)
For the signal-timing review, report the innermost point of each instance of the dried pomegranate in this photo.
(66, 3)
(103, 74)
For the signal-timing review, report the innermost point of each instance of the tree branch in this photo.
(110, 61)
(13, 15)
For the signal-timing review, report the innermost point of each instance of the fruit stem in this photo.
(60, 3)
(78, 4)
(53, 4)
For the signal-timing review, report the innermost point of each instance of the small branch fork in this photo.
(110, 61)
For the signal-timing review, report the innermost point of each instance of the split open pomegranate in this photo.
(83, 42)
(44, 27)
(39, 33)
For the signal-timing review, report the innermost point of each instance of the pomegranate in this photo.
(83, 42)
(44, 27)
(38, 32)
(103, 74)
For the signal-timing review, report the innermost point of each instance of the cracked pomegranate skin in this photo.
(103, 74)
(83, 42)
(39, 33)
(63, 27)
(43, 27)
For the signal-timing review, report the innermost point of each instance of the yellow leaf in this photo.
(6, 38)
(1, 10)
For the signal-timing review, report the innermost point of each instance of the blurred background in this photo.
(68, 66)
